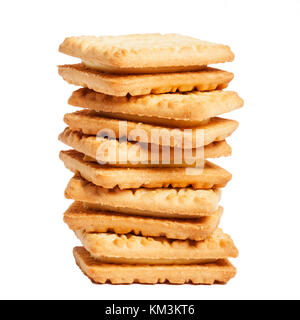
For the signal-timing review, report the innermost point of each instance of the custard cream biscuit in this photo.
(91, 123)
(128, 154)
(78, 217)
(171, 203)
(142, 84)
(210, 176)
(145, 53)
(131, 249)
(220, 271)
(179, 110)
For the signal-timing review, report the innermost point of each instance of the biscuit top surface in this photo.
(218, 245)
(155, 51)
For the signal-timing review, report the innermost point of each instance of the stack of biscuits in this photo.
(146, 199)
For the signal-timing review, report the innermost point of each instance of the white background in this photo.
(261, 202)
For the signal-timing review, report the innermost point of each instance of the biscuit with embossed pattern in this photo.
(78, 217)
(145, 53)
(211, 176)
(91, 123)
(141, 84)
(220, 271)
(179, 110)
(131, 249)
(185, 203)
(129, 154)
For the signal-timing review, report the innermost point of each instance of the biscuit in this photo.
(179, 110)
(193, 159)
(220, 271)
(185, 203)
(131, 249)
(134, 85)
(211, 176)
(145, 53)
(115, 153)
(78, 217)
(91, 123)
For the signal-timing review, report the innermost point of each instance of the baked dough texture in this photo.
(78, 217)
(145, 198)
(132, 249)
(92, 123)
(185, 203)
(128, 154)
(220, 271)
(187, 109)
(141, 84)
(208, 177)
(145, 53)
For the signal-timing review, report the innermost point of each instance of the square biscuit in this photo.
(179, 110)
(171, 203)
(78, 217)
(91, 123)
(211, 176)
(220, 271)
(145, 53)
(142, 84)
(129, 154)
(131, 249)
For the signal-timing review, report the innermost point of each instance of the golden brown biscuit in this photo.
(185, 203)
(122, 85)
(91, 123)
(220, 271)
(215, 149)
(131, 249)
(179, 110)
(145, 53)
(211, 176)
(129, 154)
(78, 217)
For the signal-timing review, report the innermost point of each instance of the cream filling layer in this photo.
(139, 70)
(145, 261)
